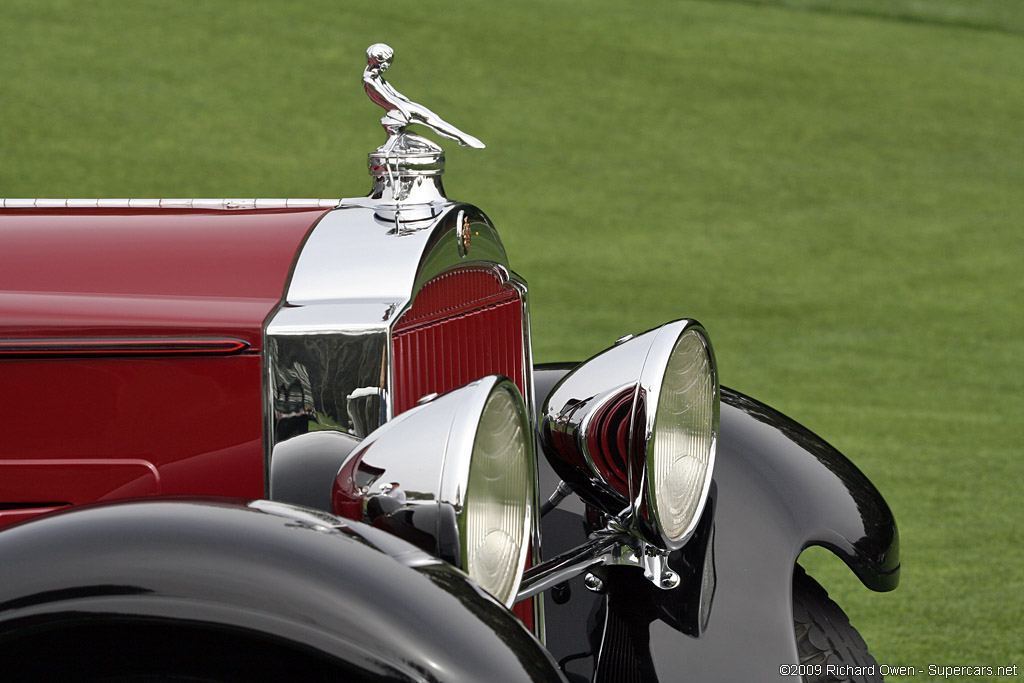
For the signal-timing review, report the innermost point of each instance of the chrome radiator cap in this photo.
(407, 168)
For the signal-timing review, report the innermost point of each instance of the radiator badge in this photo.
(467, 235)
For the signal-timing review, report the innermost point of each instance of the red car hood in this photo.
(85, 273)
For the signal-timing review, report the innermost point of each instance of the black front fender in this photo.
(819, 497)
(362, 603)
(778, 488)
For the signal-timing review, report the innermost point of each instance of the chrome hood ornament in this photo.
(407, 168)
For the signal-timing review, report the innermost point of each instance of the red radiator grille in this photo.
(462, 326)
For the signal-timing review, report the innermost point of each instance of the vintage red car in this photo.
(304, 439)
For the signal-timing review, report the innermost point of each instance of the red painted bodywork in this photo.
(78, 430)
(144, 272)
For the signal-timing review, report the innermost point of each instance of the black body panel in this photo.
(303, 468)
(338, 602)
(778, 489)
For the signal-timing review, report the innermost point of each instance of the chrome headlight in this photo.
(634, 429)
(455, 477)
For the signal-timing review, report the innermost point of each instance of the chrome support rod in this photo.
(598, 550)
(557, 497)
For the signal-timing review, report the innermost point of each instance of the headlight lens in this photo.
(496, 515)
(681, 450)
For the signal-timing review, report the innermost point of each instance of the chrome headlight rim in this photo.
(649, 506)
(458, 483)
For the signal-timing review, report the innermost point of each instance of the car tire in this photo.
(830, 649)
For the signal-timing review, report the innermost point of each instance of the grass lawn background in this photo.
(834, 189)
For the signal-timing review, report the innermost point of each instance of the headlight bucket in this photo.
(466, 464)
(634, 430)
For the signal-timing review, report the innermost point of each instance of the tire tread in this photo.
(825, 636)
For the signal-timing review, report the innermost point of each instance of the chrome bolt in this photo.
(669, 580)
(593, 583)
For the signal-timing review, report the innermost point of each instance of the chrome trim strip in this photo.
(540, 622)
(206, 204)
(121, 346)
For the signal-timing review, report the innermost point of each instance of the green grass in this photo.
(834, 188)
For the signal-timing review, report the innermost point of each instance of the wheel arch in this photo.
(266, 573)
(823, 498)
